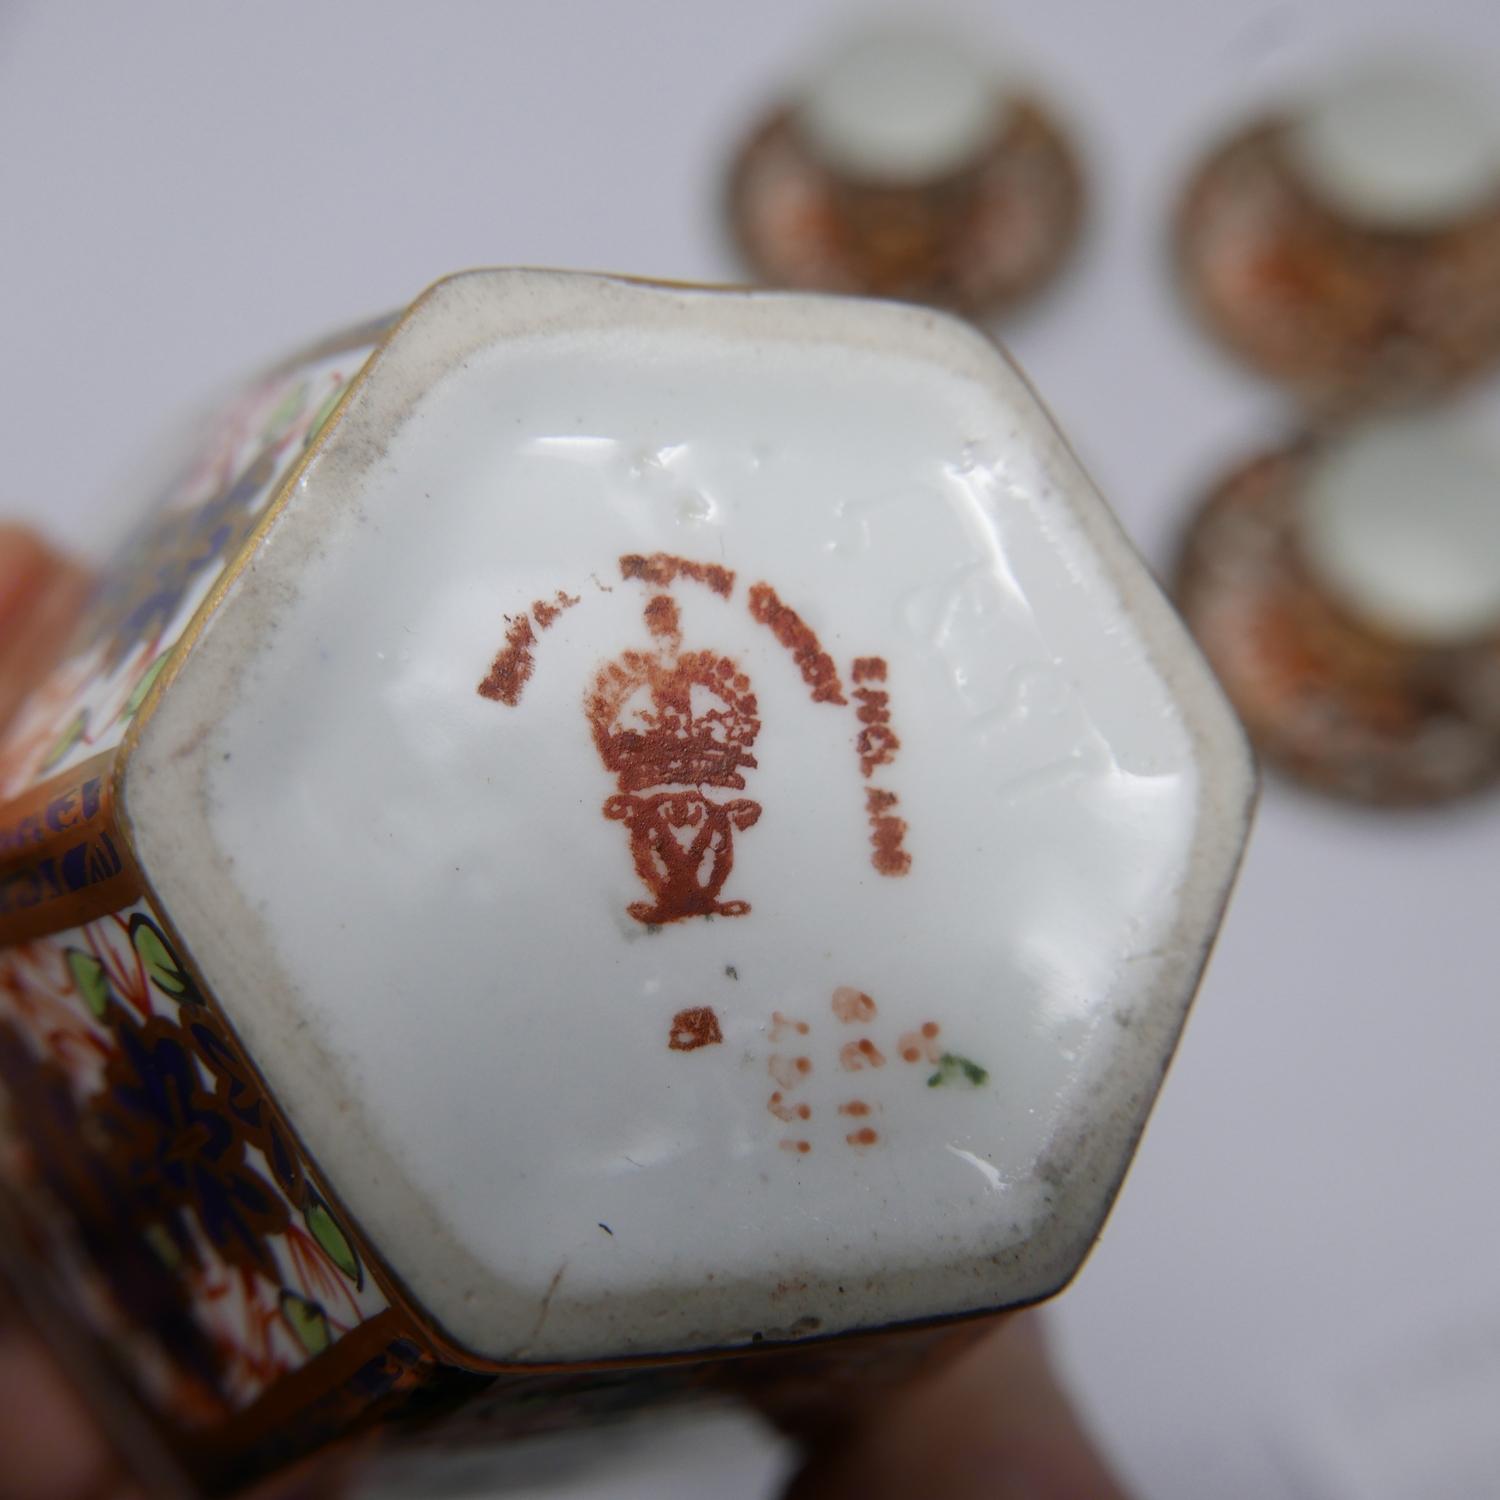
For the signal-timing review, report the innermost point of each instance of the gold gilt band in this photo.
(62, 859)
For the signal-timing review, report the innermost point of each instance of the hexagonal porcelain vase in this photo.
(597, 823)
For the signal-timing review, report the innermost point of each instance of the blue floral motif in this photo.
(179, 1153)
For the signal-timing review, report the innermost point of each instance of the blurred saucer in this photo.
(1346, 589)
(906, 166)
(1350, 247)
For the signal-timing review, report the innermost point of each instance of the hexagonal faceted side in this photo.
(179, 1207)
(192, 528)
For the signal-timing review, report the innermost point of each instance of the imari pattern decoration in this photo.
(174, 1208)
(133, 1107)
(166, 567)
(522, 853)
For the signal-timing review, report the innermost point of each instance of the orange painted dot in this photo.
(784, 1111)
(851, 1005)
(862, 1137)
(854, 1107)
(911, 1054)
(930, 1028)
(787, 1071)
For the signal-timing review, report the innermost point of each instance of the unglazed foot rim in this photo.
(901, 105)
(1399, 144)
(1400, 518)
(700, 817)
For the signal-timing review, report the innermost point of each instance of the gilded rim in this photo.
(62, 860)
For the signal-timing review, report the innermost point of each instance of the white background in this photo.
(1297, 1295)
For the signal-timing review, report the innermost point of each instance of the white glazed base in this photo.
(920, 1085)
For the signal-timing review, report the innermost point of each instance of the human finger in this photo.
(53, 1448)
(40, 593)
(994, 1424)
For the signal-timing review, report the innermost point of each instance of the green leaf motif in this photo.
(320, 421)
(77, 726)
(161, 963)
(132, 706)
(88, 974)
(164, 1245)
(288, 409)
(326, 1231)
(953, 1070)
(307, 1321)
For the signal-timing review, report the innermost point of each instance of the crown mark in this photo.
(677, 729)
(670, 724)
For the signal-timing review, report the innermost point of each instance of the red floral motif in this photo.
(33, 735)
(140, 1121)
(148, 591)
(38, 989)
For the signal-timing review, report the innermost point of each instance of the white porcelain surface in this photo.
(417, 905)
(1402, 144)
(902, 103)
(1401, 518)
